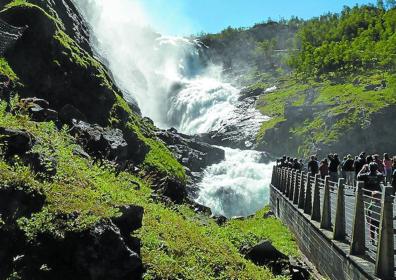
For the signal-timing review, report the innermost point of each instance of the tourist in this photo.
(343, 172)
(387, 162)
(313, 166)
(381, 167)
(296, 165)
(324, 168)
(359, 163)
(372, 188)
(394, 174)
(349, 170)
(333, 167)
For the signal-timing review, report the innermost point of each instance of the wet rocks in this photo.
(192, 153)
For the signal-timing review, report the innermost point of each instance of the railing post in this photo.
(339, 223)
(278, 177)
(286, 190)
(385, 252)
(325, 222)
(296, 191)
(284, 187)
(301, 196)
(292, 183)
(308, 196)
(358, 229)
(316, 200)
(273, 175)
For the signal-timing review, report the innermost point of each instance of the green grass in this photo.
(176, 242)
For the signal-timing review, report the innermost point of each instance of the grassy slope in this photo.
(159, 159)
(177, 243)
(349, 105)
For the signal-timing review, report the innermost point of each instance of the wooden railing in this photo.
(356, 216)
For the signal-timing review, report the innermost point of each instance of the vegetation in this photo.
(176, 242)
(357, 40)
(337, 69)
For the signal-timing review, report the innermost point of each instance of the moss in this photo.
(177, 243)
(6, 70)
(342, 107)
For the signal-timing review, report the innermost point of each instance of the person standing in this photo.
(359, 163)
(313, 166)
(333, 167)
(349, 171)
(324, 168)
(387, 162)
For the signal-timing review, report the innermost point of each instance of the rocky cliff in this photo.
(88, 188)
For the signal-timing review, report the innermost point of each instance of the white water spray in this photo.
(171, 85)
(237, 186)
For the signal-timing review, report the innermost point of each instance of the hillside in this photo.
(87, 188)
(335, 79)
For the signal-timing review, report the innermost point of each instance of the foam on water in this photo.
(238, 186)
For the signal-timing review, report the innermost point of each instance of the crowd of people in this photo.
(372, 169)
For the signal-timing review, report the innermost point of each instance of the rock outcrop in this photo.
(192, 153)
(265, 254)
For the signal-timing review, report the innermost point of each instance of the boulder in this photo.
(190, 152)
(96, 253)
(68, 113)
(264, 253)
(172, 189)
(18, 142)
(101, 142)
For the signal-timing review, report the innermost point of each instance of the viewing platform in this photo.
(348, 232)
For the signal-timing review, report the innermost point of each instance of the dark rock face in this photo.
(265, 254)
(101, 142)
(68, 113)
(374, 137)
(45, 67)
(130, 220)
(193, 154)
(16, 203)
(171, 189)
(98, 253)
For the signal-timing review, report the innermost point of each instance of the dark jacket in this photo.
(334, 163)
(372, 181)
(348, 165)
(313, 167)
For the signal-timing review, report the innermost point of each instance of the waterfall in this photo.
(175, 88)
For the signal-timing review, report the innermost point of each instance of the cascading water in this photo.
(171, 85)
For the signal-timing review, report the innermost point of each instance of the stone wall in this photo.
(331, 258)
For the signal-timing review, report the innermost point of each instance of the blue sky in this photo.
(184, 17)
